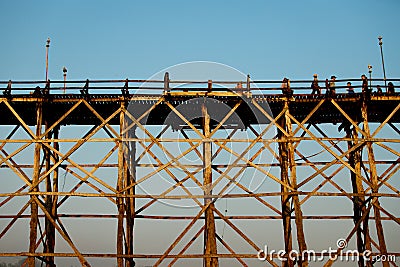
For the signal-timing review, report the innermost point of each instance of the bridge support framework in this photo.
(292, 177)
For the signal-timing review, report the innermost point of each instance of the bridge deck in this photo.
(300, 106)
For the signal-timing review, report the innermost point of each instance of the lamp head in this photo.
(380, 40)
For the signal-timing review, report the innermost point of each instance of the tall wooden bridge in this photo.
(197, 175)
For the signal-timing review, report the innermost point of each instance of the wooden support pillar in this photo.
(49, 202)
(285, 198)
(209, 232)
(130, 170)
(55, 188)
(374, 180)
(35, 178)
(359, 205)
(293, 182)
(120, 200)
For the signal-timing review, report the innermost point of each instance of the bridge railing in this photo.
(151, 87)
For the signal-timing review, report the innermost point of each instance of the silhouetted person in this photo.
(37, 92)
(85, 89)
(326, 87)
(125, 90)
(332, 86)
(364, 85)
(390, 89)
(315, 86)
(379, 90)
(46, 90)
(238, 87)
(286, 90)
(7, 92)
(350, 88)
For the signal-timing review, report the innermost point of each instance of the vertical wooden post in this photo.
(285, 198)
(209, 233)
(120, 200)
(50, 229)
(293, 180)
(36, 172)
(359, 208)
(374, 180)
(53, 211)
(130, 161)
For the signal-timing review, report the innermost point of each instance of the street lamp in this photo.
(65, 78)
(370, 72)
(47, 57)
(383, 62)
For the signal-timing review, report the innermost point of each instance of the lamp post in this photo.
(383, 62)
(65, 78)
(47, 57)
(370, 75)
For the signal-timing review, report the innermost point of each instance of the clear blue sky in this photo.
(135, 39)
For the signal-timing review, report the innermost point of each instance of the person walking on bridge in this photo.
(316, 89)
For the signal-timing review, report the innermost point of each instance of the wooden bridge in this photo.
(233, 170)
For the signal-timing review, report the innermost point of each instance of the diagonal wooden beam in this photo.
(62, 232)
(104, 122)
(273, 121)
(338, 157)
(4, 159)
(242, 235)
(397, 130)
(231, 250)
(57, 123)
(162, 167)
(128, 127)
(24, 125)
(241, 157)
(16, 217)
(15, 169)
(185, 120)
(177, 180)
(165, 193)
(245, 189)
(173, 159)
(188, 245)
(148, 147)
(348, 117)
(227, 116)
(182, 234)
(309, 115)
(75, 147)
(91, 175)
(385, 121)
(351, 234)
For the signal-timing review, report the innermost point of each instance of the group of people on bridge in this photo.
(330, 87)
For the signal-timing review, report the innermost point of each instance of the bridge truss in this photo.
(198, 177)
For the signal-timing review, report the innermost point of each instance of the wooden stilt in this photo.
(374, 181)
(285, 198)
(120, 185)
(295, 198)
(130, 206)
(50, 230)
(35, 179)
(53, 211)
(359, 208)
(209, 233)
